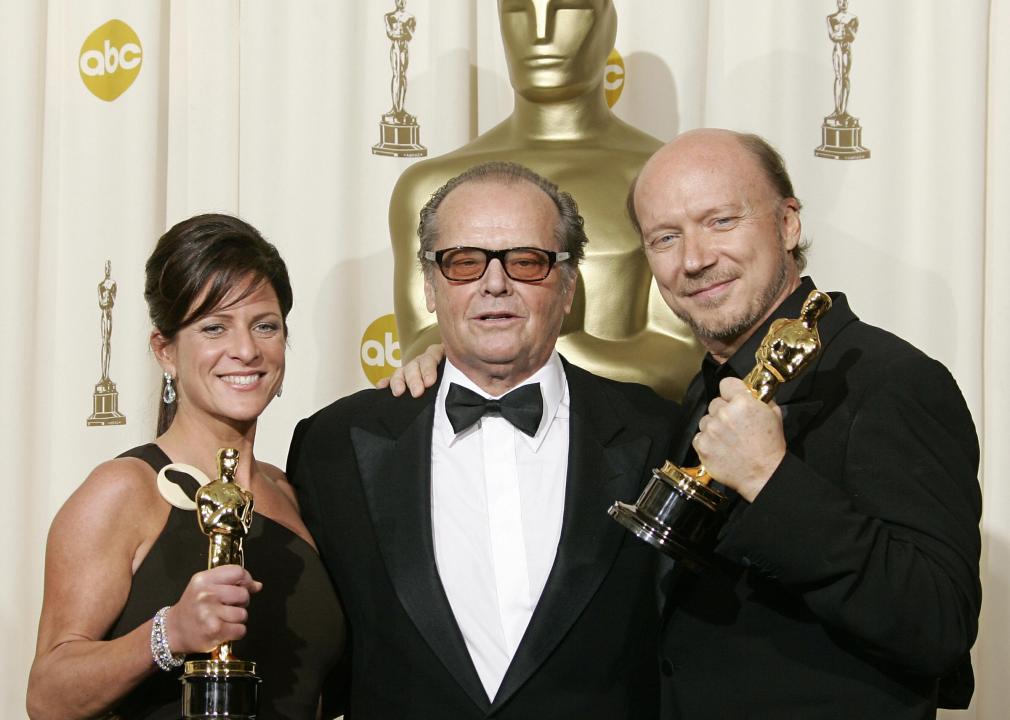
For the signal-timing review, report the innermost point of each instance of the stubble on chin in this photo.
(723, 328)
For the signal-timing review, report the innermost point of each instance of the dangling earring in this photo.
(280, 389)
(168, 393)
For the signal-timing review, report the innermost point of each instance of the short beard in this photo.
(731, 328)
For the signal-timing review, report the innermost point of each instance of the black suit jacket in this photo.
(362, 470)
(850, 585)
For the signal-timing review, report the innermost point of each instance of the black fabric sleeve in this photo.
(889, 556)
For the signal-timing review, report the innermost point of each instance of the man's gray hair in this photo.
(570, 231)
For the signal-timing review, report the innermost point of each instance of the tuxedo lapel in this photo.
(601, 468)
(396, 475)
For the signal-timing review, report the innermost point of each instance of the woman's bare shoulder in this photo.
(117, 502)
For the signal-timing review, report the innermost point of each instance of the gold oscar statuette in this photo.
(105, 401)
(841, 135)
(679, 512)
(399, 133)
(222, 686)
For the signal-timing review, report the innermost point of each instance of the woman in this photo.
(126, 592)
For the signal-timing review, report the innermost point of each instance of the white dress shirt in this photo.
(497, 502)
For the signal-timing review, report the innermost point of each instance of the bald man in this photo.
(846, 582)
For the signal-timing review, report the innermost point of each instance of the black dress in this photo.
(295, 632)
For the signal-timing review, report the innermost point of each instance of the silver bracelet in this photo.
(160, 650)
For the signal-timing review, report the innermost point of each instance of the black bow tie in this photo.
(523, 407)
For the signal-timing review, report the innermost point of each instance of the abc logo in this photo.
(110, 60)
(613, 80)
(380, 349)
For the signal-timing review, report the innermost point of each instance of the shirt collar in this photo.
(553, 388)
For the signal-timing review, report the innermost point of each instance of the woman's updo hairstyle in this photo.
(207, 253)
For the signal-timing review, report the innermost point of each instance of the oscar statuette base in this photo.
(399, 140)
(106, 406)
(676, 514)
(220, 689)
(841, 143)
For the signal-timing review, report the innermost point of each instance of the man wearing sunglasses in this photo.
(466, 529)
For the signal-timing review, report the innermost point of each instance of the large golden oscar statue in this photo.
(562, 128)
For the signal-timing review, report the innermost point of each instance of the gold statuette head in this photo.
(789, 346)
(224, 507)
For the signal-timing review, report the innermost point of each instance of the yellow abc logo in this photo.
(110, 60)
(380, 349)
(613, 81)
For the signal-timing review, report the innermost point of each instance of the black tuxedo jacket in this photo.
(850, 585)
(362, 469)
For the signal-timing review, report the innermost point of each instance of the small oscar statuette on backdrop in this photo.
(399, 133)
(841, 135)
(105, 401)
(679, 512)
(222, 686)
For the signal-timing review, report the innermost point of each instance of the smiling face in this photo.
(229, 363)
(717, 237)
(557, 49)
(496, 330)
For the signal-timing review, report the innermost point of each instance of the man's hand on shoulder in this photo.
(417, 375)
(741, 442)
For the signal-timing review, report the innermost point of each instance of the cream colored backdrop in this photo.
(269, 109)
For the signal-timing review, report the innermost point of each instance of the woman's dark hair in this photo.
(213, 252)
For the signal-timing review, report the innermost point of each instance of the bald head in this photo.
(721, 229)
(716, 145)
